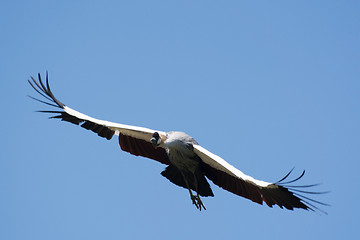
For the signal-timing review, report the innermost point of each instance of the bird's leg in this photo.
(194, 199)
(199, 202)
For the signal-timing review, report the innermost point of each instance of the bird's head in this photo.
(156, 139)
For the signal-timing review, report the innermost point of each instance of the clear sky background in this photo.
(267, 85)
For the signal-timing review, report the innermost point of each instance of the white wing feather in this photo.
(220, 164)
(133, 131)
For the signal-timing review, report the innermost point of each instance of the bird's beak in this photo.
(153, 142)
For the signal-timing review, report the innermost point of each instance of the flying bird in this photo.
(189, 165)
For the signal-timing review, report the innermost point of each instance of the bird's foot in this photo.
(196, 200)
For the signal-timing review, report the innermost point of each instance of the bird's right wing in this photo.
(230, 178)
(132, 139)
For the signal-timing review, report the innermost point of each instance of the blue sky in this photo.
(266, 85)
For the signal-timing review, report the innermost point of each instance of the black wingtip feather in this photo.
(286, 176)
(294, 180)
(45, 91)
(298, 199)
(47, 103)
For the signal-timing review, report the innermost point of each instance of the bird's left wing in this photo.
(230, 178)
(132, 139)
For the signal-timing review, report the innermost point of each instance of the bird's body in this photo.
(189, 164)
(180, 148)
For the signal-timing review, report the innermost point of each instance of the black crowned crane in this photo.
(189, 164)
